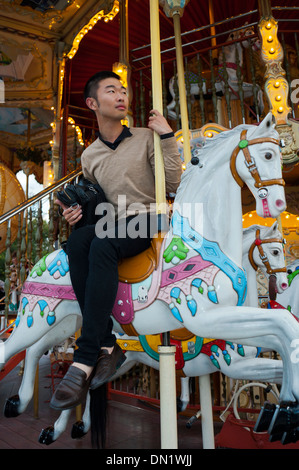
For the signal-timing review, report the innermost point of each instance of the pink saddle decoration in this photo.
(123, 310)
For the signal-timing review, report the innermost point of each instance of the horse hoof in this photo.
(290, 437)
(11, 407)
(265, 417)
(180, 406)
(46, 436)
(78, 430)
(276, 437)
(285, 419)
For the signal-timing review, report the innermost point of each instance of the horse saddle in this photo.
(139, 267)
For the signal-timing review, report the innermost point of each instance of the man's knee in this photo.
(103, 247)
(80, 240)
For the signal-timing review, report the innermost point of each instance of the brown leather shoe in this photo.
(72, 389)
(106, 366)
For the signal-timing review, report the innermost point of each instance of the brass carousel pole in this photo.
(175, 9)
(168, 412)
(122, 68)
(276, 84)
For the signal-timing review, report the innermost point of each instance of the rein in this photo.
(258, 243)
(250, 162)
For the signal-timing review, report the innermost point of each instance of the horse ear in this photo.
(265, 127)
(271, 230)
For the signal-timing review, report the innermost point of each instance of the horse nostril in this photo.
(284, 285)
(279, 203)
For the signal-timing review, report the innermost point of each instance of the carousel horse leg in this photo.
(52, 433)
(81, 427)
(58, 333)
(185, 395)
(17, 404)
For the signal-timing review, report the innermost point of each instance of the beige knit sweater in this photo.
(128, 173)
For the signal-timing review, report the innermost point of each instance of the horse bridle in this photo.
(258, 242)
(250, 162)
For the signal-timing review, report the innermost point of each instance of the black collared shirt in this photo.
(127, 133)
(113, 145)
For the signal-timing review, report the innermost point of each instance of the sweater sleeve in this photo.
(85, 169)
(172, 163)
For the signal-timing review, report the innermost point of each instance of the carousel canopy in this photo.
(35, 34)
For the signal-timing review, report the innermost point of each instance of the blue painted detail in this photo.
(213, 296)
(59, 263)
(51, 318)
(186, 355)
(192, 305)
(175, 292)
(226, 357)
(258, 352)
(210, 251)
(175, 312)
(42, 305)
(17, 320)
(196, 283)
(29, 320)
(215, 362)
(24, 303)
(241, 350)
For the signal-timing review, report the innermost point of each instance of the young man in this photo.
(121, 160)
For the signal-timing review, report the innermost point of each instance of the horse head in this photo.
(247, 37)
(265, 251)
(256, 161)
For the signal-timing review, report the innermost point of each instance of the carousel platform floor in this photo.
(132, 424)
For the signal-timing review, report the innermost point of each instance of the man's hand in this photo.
(158, 123)
(71, 214)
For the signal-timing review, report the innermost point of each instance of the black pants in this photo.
(93, 265)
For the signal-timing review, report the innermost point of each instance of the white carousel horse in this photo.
(229, 56)
(290, 299)
(262, 248)
(208, 246)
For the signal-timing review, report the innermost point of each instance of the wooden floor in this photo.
(132, 424)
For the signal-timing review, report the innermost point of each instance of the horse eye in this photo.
(275, 252)
(268, 156)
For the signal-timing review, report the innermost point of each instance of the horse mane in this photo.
(212, 147)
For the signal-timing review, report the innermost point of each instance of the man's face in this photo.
(111, 100)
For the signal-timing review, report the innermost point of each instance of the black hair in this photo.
(92, 84)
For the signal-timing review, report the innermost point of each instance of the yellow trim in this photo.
(92, 22)
(130, 345)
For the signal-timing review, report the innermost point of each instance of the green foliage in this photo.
(32, 154)
(14, 246)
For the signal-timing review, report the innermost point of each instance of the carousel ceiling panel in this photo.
(30, 30)
(99, 48)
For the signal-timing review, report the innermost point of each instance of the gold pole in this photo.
(168, 415)
(264, 7)
(157, 104)
(182, 87)
(213, 29)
